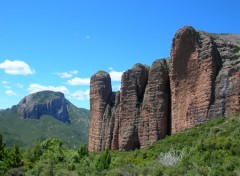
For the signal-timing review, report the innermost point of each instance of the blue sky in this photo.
(60, 44)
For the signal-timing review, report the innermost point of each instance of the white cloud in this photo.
(36, 88)
(115, 76)
(64, 75)
(16, 67)
(67, 74)
(5, 82)
(80, 95)
(19, 85)
(74, 72)
(10, 93)
(79, 81)
(7, 87)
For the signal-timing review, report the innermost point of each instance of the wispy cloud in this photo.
(7, 87)
(80, 95)
(115, 75)
(78, 81)
(37, 87)
(19, 85)
(10, 93)
(74, 72)
(5, 82)
(16, 67)
(88, 37)
(67, 74)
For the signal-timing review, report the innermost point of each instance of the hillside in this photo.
(211, 148)
(24, 131)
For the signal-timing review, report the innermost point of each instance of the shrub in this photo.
(103, 161)
(83, 151)
(170, 158)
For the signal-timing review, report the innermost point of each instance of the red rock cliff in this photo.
(203, 83)
(134, 117)
(204, 77)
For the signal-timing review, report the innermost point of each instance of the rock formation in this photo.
(204, 78)
(134, 117)
(193, 64)
(43, 103)
(101, 98)
(201, 82)
(154, 122)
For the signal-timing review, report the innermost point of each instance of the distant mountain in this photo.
(42, 115)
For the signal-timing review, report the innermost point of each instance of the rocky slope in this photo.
(201, 82)
(43, 103)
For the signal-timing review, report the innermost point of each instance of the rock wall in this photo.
(154, 121)
(127, 119)
(43, 103)
(201, 82)
(204, 77)
(193, 64)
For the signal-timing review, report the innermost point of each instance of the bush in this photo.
(83, 151)
(170, 158)
(103, 161)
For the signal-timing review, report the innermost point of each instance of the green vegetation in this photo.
(25, 131)
(235, 57)
(211, 149)
(236, 49)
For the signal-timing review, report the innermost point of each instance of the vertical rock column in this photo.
(154, 122)
(193, 69)
(131, 97)
(100, 94)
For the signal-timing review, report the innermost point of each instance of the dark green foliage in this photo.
(2, 145)
(236, 49)
(103, 161)
(16, 157)
(235, 57)
(54, 148)
(83, 151)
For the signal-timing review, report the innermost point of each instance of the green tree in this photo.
(53, 148)
(82, 151)
(16, 157)
(2, 145)
(103, 161)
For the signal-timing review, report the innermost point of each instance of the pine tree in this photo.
(16, 158)
(104, 161)
(2, 145)
(83, 151)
